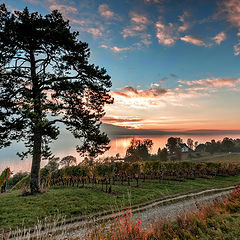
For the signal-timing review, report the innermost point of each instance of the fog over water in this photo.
(65, 145)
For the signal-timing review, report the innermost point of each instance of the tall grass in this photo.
(209, 222)
(123, 227)
(45, 229)
(220, 220)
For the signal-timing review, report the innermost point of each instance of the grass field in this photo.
(216, 157)
(218, 220)
(233, 158)
(17, 210)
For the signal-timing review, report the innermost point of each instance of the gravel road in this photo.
(172, 210)
(167, 209)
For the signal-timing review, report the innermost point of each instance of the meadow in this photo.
(76, 203)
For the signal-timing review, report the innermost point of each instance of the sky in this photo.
(174, 65)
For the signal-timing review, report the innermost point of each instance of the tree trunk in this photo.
(37, 129)
(110, 184)
(35, 171)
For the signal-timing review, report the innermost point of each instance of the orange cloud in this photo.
(64, 9)
(212, 82)
(236, 49)
(115, 119)
(186, 25)
(116, 49)
(139, 24)
(154, 97)
(231, 8)
(96, 32)
(124, 121)
(138, 18)
(193, 40)
(133, 92)
(105, 12)
(166, 35)
(219, 37)
(189, 106)
(142, 99)
(146, 39)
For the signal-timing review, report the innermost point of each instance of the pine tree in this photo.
(46, 80)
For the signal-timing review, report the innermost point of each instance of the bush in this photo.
(16, 178)
(24, 183)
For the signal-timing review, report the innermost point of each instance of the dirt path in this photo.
(166, 209)
(172, 210)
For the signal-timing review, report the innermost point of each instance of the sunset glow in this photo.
(173, 65)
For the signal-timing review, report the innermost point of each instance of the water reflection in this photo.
(119, 144)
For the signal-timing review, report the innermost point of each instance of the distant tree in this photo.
(159, 151)
(68, 161)
(200, 148)
(163, 154)
(190, 143)
(174, 149)
(227, 145)
(172, 144)
(53, 164)
(87, 161)
(139, 150)
(195, 144)
(178, 154)
(46, 79)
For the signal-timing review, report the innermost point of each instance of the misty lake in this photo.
(65, 146)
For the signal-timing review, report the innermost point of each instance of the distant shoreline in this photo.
(112, 130)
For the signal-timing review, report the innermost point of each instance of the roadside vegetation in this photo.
(19, 211)
(218, 221)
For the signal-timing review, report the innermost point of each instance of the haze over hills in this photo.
(113, 130)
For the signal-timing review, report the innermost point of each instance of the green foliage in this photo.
(138, 150)
(136, 171)
(162, 155)
(53, 164)
(172, 144)
(5, 175)
(16, 178)
(45, 79)
(25, 182)
(44, 64)
(68, 161)
(226, 145)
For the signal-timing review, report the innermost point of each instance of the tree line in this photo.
(226, 145)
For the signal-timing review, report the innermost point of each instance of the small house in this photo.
(184, 147)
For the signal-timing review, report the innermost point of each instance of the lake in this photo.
(65, 146)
